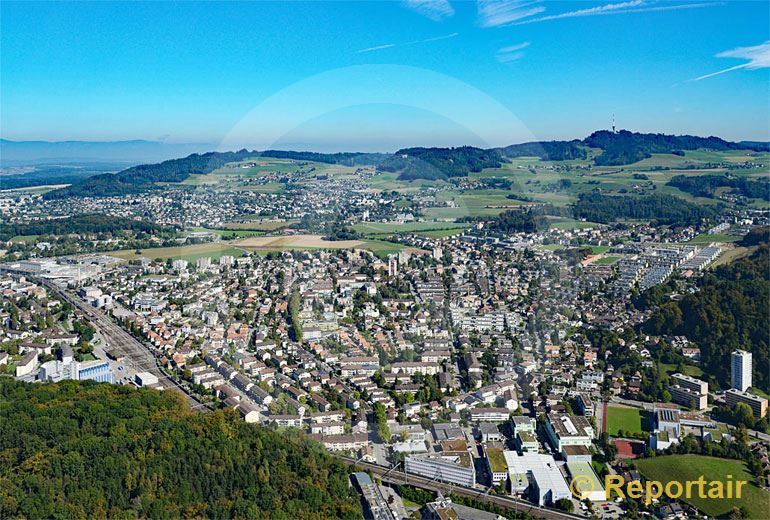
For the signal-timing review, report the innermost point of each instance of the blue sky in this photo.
(380, 75)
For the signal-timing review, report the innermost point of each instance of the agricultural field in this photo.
(262, 165)
(268, 187)
(298, 242)
(440, 233)
(232, 233)
(683, 468)
(625, 419)
(24, 238)
(606, 260)
(387, 181)
(382, 248)
(471, 203)
(731, 254)
(34, 190)
(570, 224)
(554, 182)
(260, 225)
(705, 239)
(189, 253)
(233, 172)
(387, 228)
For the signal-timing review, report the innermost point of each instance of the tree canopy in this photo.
(728, 312)
(88, 450)
(84, 223)
(626, 147)
(666, 209)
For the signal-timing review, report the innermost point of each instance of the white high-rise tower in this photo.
(741, 370)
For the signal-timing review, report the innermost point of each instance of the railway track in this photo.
(399, 477)
(123, 343)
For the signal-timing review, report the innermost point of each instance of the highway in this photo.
(399, 477)
(123, 343)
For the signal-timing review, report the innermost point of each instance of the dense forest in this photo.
(518, 221)
(706, 185)
(84, 223)
(441, 163)
(88, 450)
(140, 178)
(547, 150)
(626, 147)
(728, 311)
(343, 158)
(665, 209)
(756, 236)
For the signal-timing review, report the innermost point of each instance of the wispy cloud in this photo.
(591, 11)
(512, 52)
(376, 48)
(436, 38)
(434, 9)
(629, 6)
(494, 13)
(404, 44)
(758, 56)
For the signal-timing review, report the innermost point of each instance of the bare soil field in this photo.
(310, 241)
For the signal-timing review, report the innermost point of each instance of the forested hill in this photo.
(624, 147)
(344, 158)
(88, 450)
(140, 178)
(728, 312)
(440, 163)
(546, 150)
(617, 148)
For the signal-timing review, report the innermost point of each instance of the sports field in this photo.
(683, 468)
(625, 419)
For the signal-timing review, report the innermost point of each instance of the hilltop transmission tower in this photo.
(613, 124)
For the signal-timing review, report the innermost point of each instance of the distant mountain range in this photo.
(16, 153)
(606, 149)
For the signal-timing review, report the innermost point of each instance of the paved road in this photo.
(398, 477)
(121, 342)
(602, 419)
